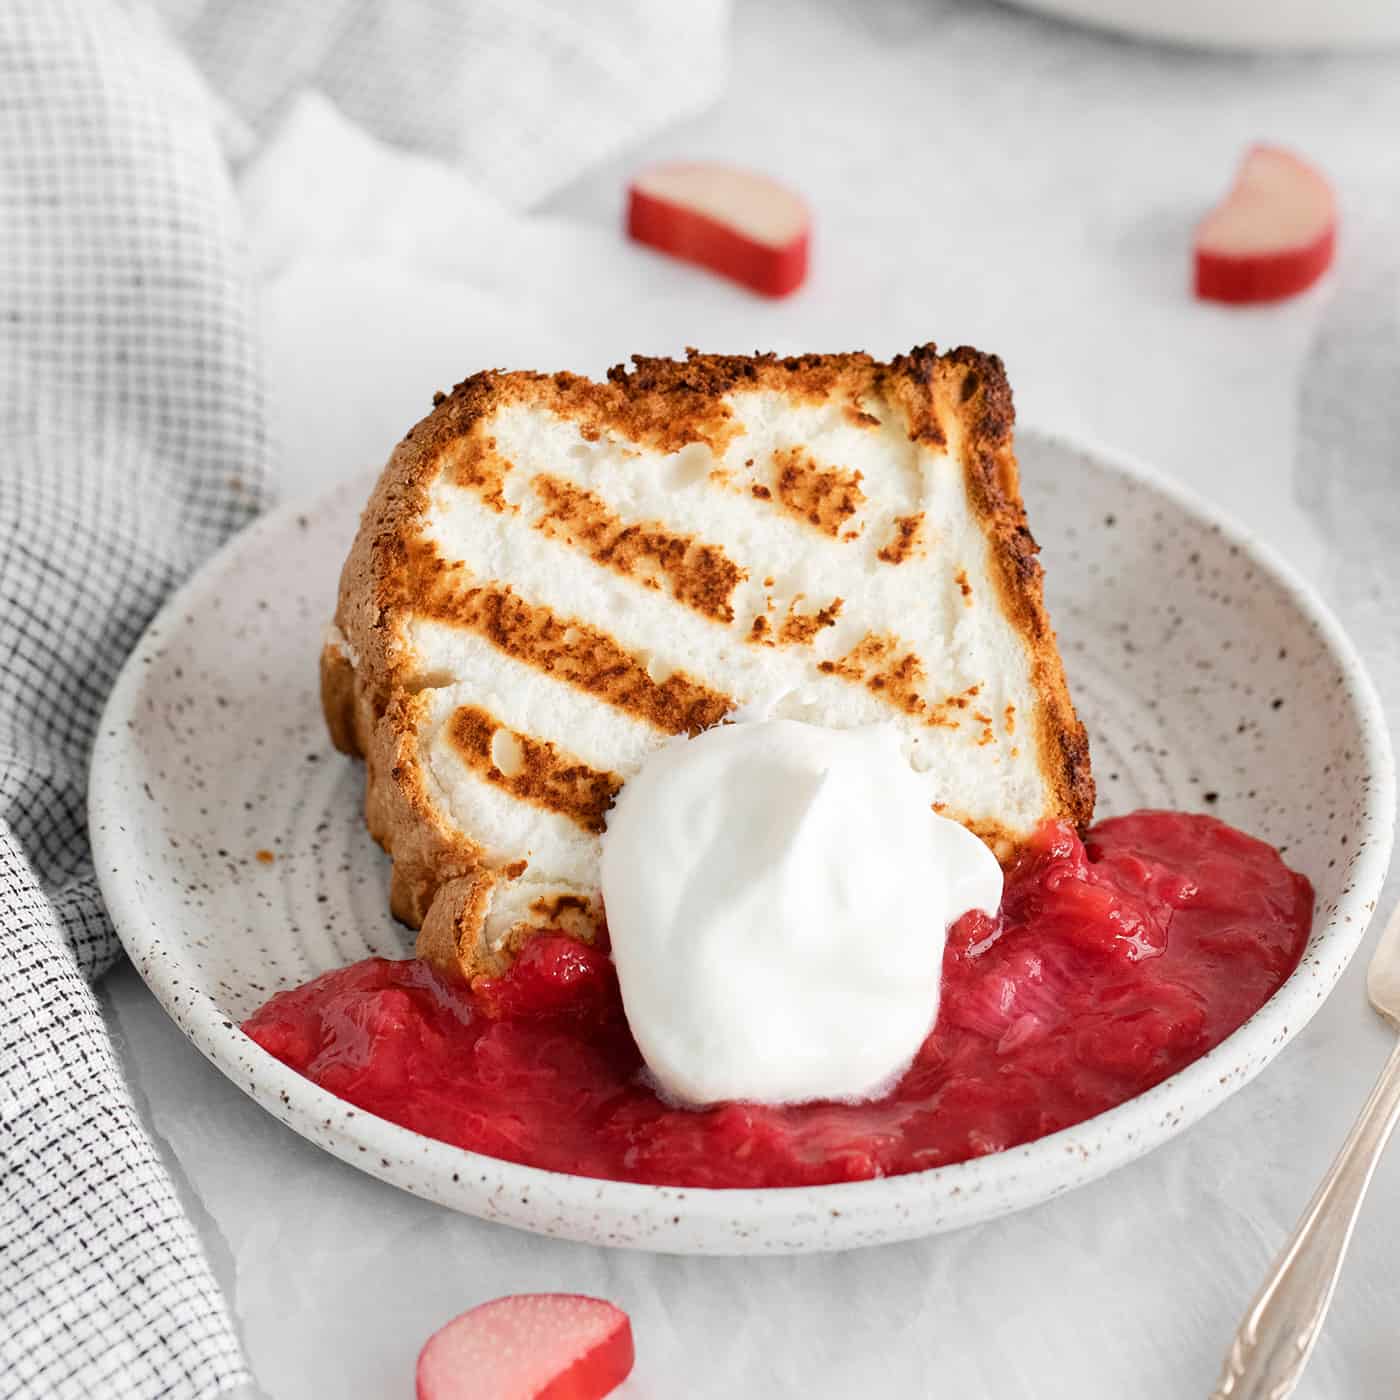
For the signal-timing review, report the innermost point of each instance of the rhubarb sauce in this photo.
(1115, 961)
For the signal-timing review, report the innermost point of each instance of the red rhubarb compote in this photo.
(1116, 961)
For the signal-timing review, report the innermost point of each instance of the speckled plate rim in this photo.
(773, 1220)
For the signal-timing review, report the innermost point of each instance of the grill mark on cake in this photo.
(574, 914)
(798, 629)
(565, 649)
(474, 463)
(908, 538)
(648, 405)
(553, 908)
(575, 917)
(1009, 716)
(546, 777)
(964, 587)
(888, 669)
(988, 734)
(855, 412)
(824, 497)
(951, 706)
(701, 576)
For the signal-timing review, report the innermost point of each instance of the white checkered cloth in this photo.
(132, 443)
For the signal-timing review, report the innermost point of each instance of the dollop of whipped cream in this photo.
(778, 896)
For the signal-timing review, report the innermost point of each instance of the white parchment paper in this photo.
(978, 176)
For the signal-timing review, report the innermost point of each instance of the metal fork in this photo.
(1282, 1325)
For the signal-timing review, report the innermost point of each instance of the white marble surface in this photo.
(978, 176)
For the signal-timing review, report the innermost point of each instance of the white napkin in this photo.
(521, 96)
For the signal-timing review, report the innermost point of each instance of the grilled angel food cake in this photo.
(556, 576)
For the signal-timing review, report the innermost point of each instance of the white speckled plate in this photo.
(1208, 677)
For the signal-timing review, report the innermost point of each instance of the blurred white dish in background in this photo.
(1277, 26)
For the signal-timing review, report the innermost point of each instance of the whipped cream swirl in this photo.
(778, 896)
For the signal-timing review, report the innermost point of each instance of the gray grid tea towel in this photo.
(131, 444)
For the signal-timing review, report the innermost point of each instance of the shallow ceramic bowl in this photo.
(1209, 678)
(1268, 26)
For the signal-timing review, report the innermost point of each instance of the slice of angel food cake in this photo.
(556, 576)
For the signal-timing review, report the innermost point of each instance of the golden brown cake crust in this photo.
(960, 400)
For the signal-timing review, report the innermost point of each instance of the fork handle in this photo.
(1281, 1327)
